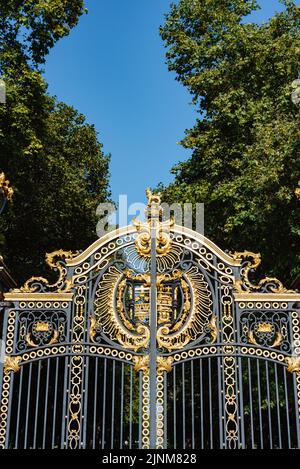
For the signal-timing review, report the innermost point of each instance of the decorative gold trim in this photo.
(5, 187)
(213, 328)
(251, 338)
(253, 296)
(53, 260)
(202, 351)
(76, 371)
(164, 364)
(42, 326)
(145, 410)
(245, 285)
(195, 316)
(110, 316)
(12, 364)
(293, 364)
(5, 396)
(160, 408)
(277, 341)
(17, 296)
(176, 229)
(31, 343)
(141, 363)
(265, 327)
(93, 328)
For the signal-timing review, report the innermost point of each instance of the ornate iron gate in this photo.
(151, 338)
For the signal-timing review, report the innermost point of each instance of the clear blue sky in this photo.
(112, 69)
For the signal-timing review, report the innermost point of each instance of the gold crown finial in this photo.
(154, 217)
(153, 198)
(153, 208)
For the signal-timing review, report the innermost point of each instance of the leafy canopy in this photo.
(245, 162)
(32, 27)
(48, 151)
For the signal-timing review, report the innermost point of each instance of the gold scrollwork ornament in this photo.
(53, 260)
(293, 364)
(213, 328)
(277, 341)
(12, 364)
(141, 363)
(31, 343)
(253, 260)
(164, 364)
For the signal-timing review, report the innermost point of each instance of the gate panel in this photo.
(194, 405)
(37, 417)
(112, 406)
(151, 338)
(270, 417)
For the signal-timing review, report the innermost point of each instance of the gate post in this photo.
(154, 220)
(231, 417)
(75, 379)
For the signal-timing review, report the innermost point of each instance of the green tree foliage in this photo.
(47, 150)
(30, 28)
(245, 162)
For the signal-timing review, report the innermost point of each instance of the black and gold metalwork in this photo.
(153, 337)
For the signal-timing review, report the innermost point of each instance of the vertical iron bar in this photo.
(251, 404)
(63, 442)
(225, 443)
(10, 398)
(278, 406)
(296, 403)
(287, 408)
(210, 404)
(46, 406)
(259, 406)
(122, 405)
(37, 397)
(27, 406)
(269, 405)
(165, 410)
(19, 407)
(174, 408)
(130, 410)
(240, 400)
(95, 404)
(85, 416)
(153, 327)
(104, 404)
(220, 404)
(193, 404)
(183, 405)
(113, 405)
(141, 409)
(55, 402)
(201, 403)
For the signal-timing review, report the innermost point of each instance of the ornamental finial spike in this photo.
(154, 208)
(154, 221)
